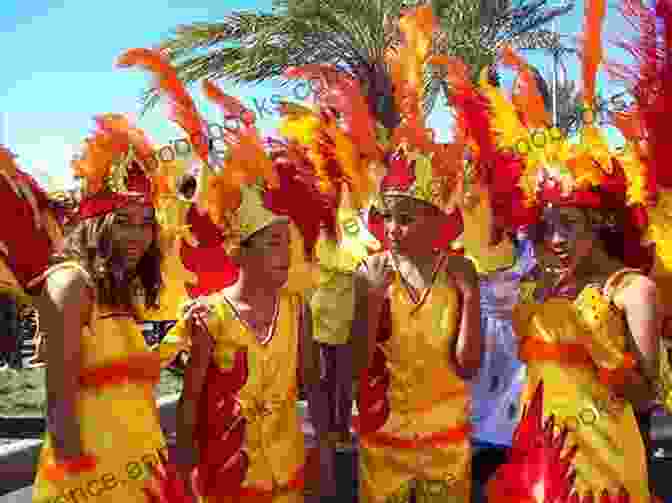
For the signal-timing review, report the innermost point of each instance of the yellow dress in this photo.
(250, 440)
(574, 346)
(119, 420)
(425, 439)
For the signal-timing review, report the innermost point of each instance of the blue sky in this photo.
(61, 71)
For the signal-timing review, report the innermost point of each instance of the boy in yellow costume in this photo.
(103, 425)
(239, 432)
(419, 312)
(413, 405)
(239, 424)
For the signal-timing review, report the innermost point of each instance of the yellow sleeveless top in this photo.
(273, 439)
(116, 408)
(569, 344)
(427, 398)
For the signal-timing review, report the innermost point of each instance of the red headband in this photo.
(102, 204)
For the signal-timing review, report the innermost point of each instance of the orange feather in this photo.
(592, 46)
(182, 108)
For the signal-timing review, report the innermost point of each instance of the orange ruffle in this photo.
(143, 367)
(450, 436)
(295, 484)
(611, 377)
(58, 471)
(573, 355)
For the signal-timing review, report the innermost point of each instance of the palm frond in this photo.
(352, 35)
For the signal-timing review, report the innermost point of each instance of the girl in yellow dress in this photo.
(592, 335)
(103, 426)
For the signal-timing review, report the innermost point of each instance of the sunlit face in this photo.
(266, 254)
(567, 237)
(410, 225)
(133, 232)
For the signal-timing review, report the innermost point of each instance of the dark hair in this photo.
(90, 244)
(187, 185)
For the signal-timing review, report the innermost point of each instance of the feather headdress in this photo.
(544, 166)
(116, 167)
(404, 161)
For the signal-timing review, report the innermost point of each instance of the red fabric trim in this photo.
(58, 471)
(221, 430)
(578, 198)
(373, 404)
(439, 439)
(297, 483)
(143, 367)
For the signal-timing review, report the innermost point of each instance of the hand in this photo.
(198, 314)
(379, 275)
(464, 274)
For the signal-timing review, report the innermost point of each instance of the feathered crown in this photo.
(361, 153)
(555, 170)
(116, 167)
(539, 468)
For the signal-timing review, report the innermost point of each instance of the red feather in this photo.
(167, 485)
(650, 78)
(537, 464)
(299, 190)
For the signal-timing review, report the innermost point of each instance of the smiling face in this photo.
(132, 232)
(410, 225)
(568, 237)
(266, 254)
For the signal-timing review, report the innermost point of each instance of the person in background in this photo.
(23, 255)
(503, 263)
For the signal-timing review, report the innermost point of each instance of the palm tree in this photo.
(352, 35)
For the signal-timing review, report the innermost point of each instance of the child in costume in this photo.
(423, 310)
(250, 344)
(413, 403)
(103, 425)
(597, 319)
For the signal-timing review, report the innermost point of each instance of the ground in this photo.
(22, 392)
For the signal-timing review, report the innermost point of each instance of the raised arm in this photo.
(65, 308)
(468, 346)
